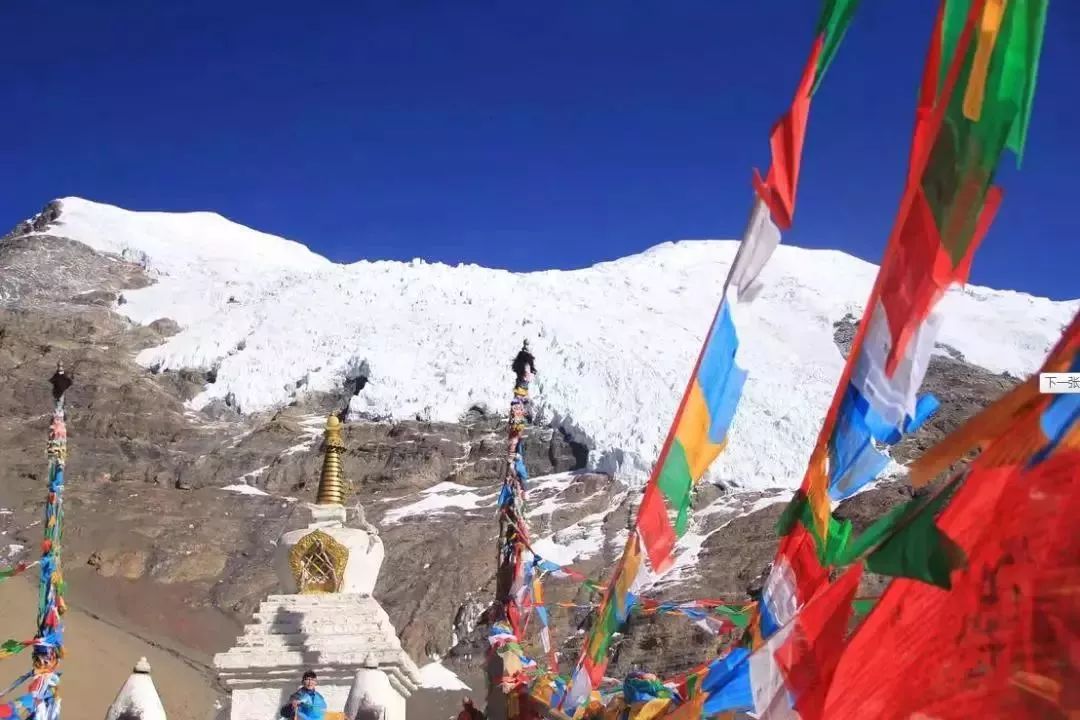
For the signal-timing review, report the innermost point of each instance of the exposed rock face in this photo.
(962, 388)
(144, 505)
(152, 537)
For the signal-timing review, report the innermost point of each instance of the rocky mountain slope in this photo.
(206, 357)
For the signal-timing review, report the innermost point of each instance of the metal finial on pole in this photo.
(60, 383)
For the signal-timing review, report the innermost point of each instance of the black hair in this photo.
(310, 674)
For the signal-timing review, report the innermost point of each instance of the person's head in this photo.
(310, 680)
(467, 702)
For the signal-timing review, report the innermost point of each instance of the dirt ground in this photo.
(101, 654)
(100, 657)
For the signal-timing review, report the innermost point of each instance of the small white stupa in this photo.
(138, 698)
(368, 685)
(329, 622)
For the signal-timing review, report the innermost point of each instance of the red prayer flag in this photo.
(809, 656)
(923, 140)
(657, 534)
(778, 188)
(1003, 641)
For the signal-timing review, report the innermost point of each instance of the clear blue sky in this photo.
(510, 134)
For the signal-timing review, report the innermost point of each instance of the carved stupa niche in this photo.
(318, 563)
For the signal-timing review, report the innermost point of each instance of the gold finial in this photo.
(331, 483)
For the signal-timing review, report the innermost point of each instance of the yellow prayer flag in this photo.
(818, 490)
(631, 565)
(650, 710)
(992, 15)
(690, 710)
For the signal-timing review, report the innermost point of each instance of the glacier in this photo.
(614, 342)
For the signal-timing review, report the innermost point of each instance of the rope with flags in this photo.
(699, 432)
(974, 102)
(1007, 615)
(794, 658)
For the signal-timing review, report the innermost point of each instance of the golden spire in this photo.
(331, 483)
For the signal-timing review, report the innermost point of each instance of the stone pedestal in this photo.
(337, 635)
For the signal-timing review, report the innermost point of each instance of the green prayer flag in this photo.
(966, 153)
(956, 13)
(791, 514)
(863, 606)
(891, 522)
(11, 647)
(831, 548)
(675, 483)
(737, 614)
(839, 535)
(799, 510)
(833, 24)
(1029, 23)
(682, 520)
(607, 625)
(872, 536)
(917, 549)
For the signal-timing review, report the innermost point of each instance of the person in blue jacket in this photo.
(307, 703)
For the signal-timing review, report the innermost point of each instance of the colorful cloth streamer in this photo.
(699, 436)
(700, 429)
(946, 210)
(19, 708)
(17, 569)
(975, 102)
(48, 644)
(13, 647)
(519, 595)
(1008, 622)
(788, 675)
(639, 687)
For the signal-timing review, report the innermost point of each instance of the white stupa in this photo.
(138, 698)
(329, 622)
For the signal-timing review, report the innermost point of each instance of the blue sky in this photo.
(510, 134)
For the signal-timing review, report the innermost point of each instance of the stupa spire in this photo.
(138, 698)
(331, 483)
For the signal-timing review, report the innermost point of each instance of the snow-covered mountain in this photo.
(614, 342)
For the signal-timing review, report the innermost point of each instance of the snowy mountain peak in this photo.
(171, 242)
(614, 342)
